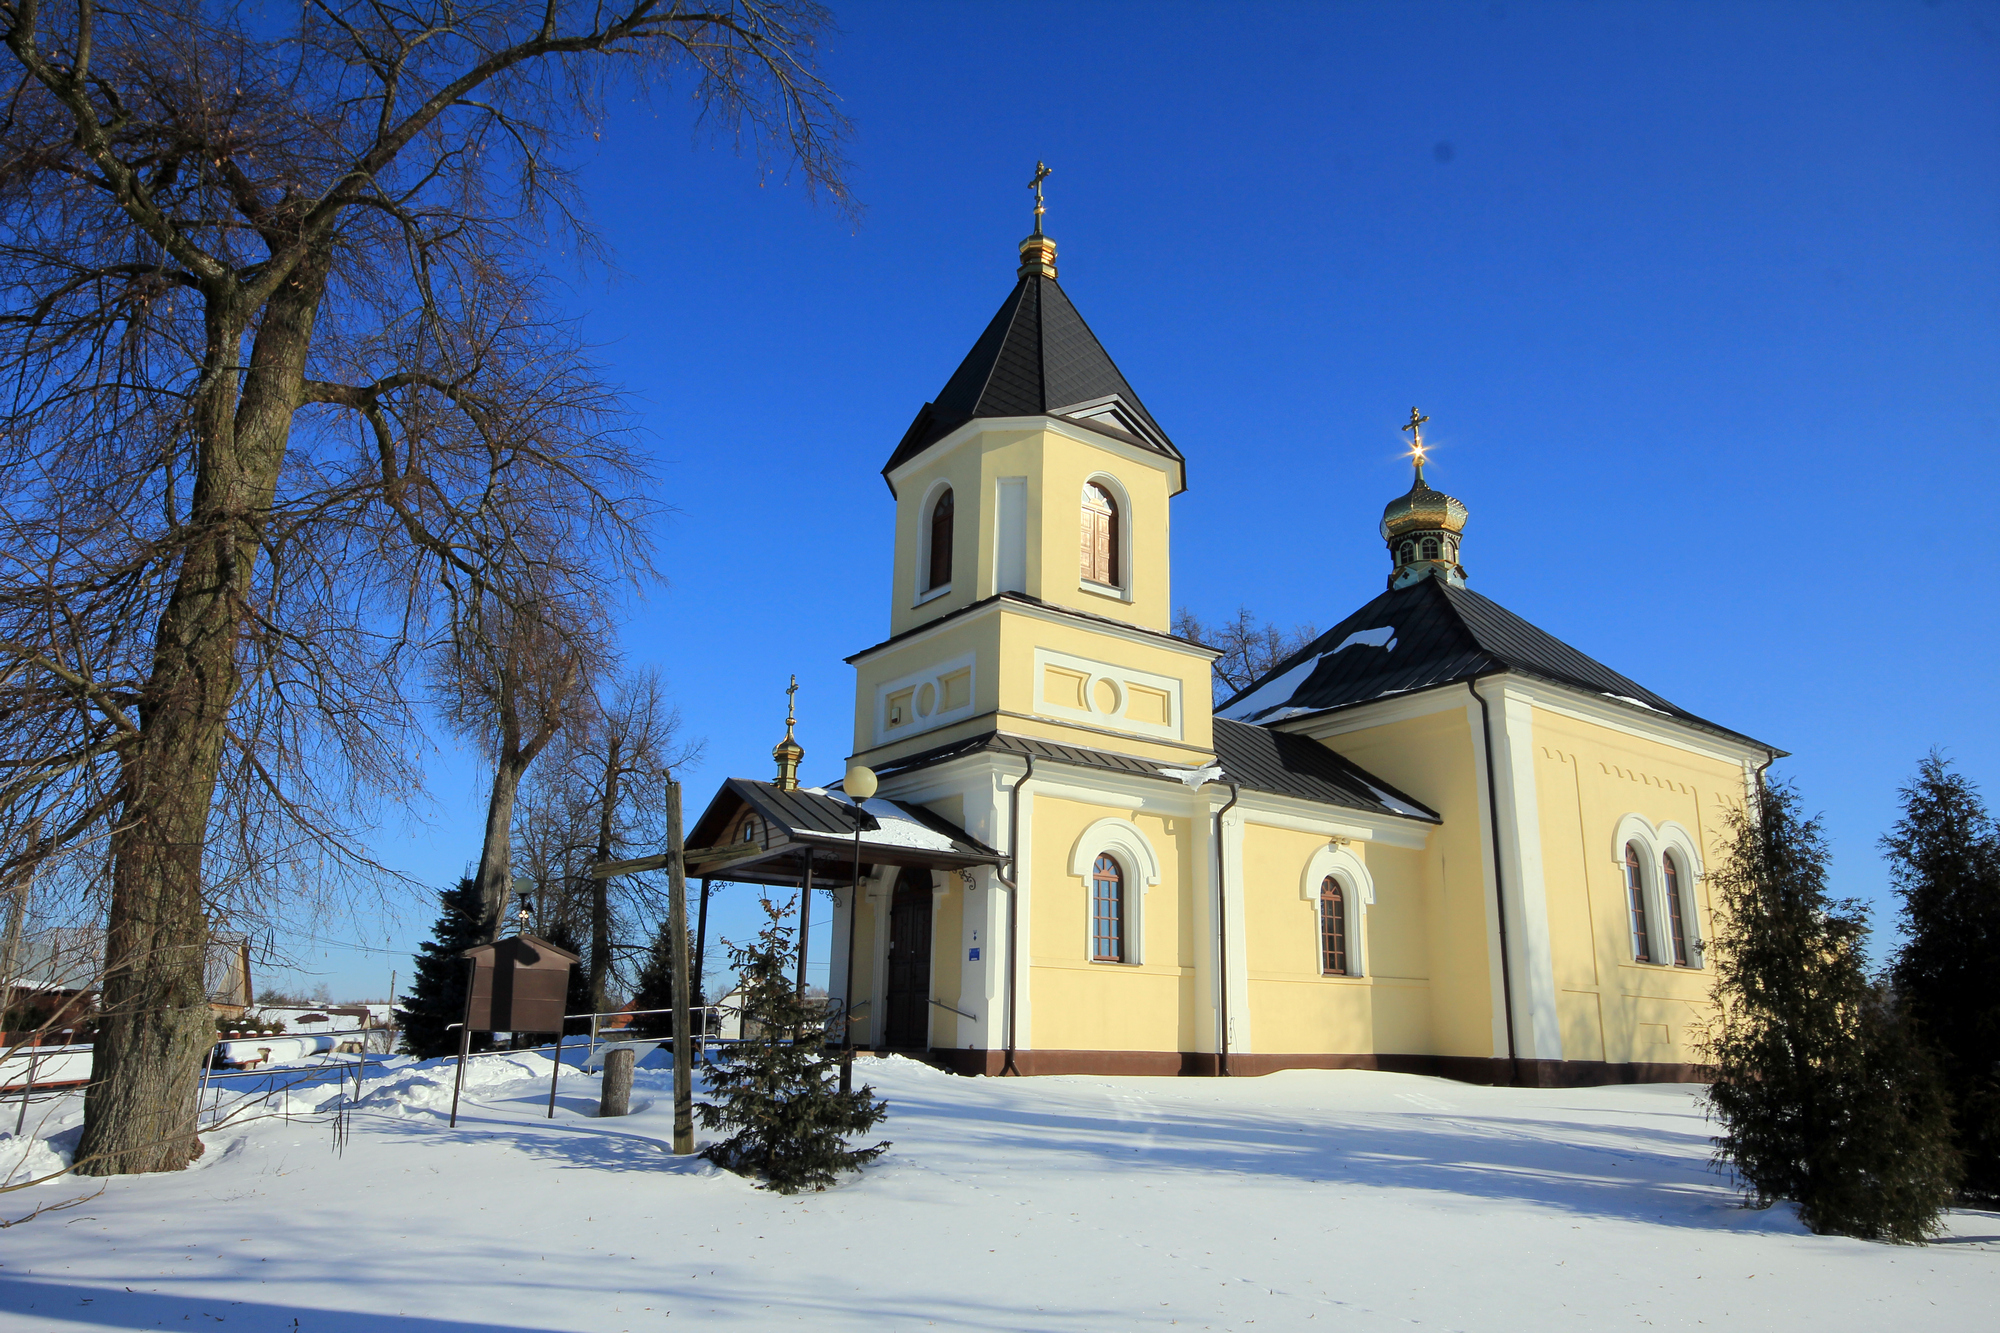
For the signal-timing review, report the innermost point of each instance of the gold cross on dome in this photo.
(1042, 173)
(791, 698)
(1416, 429)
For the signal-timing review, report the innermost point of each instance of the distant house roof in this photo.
(1036, 358)
(1425, 635)
(1257, 758)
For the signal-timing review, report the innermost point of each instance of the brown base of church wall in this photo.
(1464, 1068)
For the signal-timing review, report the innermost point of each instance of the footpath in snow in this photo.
(1308, 1199)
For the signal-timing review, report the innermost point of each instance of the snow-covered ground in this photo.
(1363, 1201)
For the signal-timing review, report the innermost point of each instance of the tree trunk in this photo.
(496, 852)
(154, 1027)
(600, 888)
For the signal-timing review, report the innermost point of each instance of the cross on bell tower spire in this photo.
(1038, 252)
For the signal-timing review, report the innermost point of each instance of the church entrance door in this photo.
(909, 997)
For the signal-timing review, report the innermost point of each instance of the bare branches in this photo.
(291, 424)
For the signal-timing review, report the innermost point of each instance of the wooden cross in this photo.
(1042, 173)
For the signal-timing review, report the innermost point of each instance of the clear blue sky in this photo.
(1703, 301)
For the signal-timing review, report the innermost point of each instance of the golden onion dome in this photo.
(1422, 509)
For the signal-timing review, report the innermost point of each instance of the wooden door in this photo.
(909, 997)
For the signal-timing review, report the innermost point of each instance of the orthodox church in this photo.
(1437, 839)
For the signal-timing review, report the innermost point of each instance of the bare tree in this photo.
(289, 412)
(1250, 648)
(602, 798)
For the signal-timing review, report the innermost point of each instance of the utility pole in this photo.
(677, 922)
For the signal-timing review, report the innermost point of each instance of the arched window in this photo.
(1678, 923)
(1332, 927)
(1635, 897)
(1430, 548)
(940, 543)
(1100, 535)
(1107, 911)
(1408, 555)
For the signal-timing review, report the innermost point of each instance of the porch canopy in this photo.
(759, 833)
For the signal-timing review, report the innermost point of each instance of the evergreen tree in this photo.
(656, 988)
(1944, 858)
(437, 995)
(782, 1096)
(577, 999)
(1822, 1096)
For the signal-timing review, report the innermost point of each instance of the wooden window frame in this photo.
(1102, 532)
(937, 554)
(1336, 956)
(1676, 918)
(1641, 926)
(1108, 927)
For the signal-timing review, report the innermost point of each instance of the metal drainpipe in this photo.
(1499, 891)
(1222, 927)
(1013, 904)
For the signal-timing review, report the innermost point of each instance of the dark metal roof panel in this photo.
(1438, 635)
(1287, 765)
(1035, 354)
(1259, 759)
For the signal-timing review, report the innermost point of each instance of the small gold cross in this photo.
(791, 695)
(1416, 429)
(1042, 173)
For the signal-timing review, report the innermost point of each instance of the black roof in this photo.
(1437, 634)
(1288, 765)
(1037, 357)
(1259, 759)
(809, 817)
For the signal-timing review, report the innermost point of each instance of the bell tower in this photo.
(1031, 549)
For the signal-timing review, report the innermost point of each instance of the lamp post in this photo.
(859, 785)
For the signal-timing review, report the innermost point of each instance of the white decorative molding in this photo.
(1655, 844)
(1119, 679)
(1340, 862)
(1352, 872)
(1128, 845)
(1112, 834)
(933, 679)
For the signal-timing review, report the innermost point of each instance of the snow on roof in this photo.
(1268, 702)
(895, 827)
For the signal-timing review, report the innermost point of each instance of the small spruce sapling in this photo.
(781, 1096)
(1822, 1096)
(1944, 859)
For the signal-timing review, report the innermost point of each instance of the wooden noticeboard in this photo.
(519, 984)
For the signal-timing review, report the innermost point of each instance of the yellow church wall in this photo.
(1054, 465)
(1134, 665)
(1588, 778)
(1085, 1005)
(1147, 596)
(866, 948)
(1432, 757)
(1294, 1008)
(947, 960)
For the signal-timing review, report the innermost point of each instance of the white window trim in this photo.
(1654, 843)
(1341, 863)
(1128, 845)
(923, 570)
(1123, 500)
